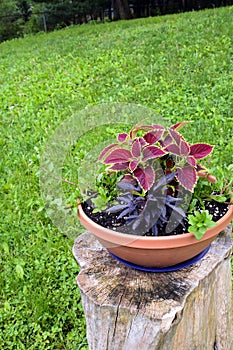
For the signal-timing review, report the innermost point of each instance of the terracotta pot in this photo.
(153, 251)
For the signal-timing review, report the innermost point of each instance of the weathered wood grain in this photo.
(126, 309)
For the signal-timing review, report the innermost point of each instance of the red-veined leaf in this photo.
(200, 150)
(136, 148)
(187, 177)
(167, 141)
(119, 166)
(119, 155)
(184, 148)
(142, 141)
(122, 137)
(192, 161)
(177, 137)
(128, 178)
(153, 136)
(145, 177)
(107, 149)
(133, 165)
(173, 149)
(151, 152)
(158, 127)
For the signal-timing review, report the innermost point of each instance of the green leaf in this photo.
(199, 222)
(5, 248)
(211, 224)
(199, 235)
(218, 198)
(192, 229)
(191, 219)
(7, 306)
(19, 271)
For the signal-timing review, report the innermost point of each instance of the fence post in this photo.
(44, 22)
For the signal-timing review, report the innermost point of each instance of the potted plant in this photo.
(167, 209)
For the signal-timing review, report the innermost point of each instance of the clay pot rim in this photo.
(147, 242)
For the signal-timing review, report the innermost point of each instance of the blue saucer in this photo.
(164, 269)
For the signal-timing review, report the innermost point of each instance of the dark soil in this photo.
(111, 221)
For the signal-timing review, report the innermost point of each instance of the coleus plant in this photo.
(148, 199)
(134, 155)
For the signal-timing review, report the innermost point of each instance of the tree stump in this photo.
(127, 309)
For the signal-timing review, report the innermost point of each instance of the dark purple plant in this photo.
(149, 212)
(131, 201)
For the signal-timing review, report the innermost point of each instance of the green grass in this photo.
(179, 65)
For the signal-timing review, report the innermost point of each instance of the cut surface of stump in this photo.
(189, 309)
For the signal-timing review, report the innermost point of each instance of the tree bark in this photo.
(121, 9)
(127, 309)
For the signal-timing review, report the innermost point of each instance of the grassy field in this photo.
(179, 65)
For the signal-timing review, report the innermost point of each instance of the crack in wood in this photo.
(117, 310)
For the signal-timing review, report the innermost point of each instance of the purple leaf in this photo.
(133, 165)
(173, 149)
(136, 148)
(158, 127)
(150, 127)
(151, 152)
(119, 155)
(119, 166)
(200, 150)
(179, 125)
(142, 141)
(138, 127)
(128, 179)
(184, 148)
(187, 177)
(153, 136)
(145, 177)
(122, 137)
(116, 208)
(106, 150)
(192, 161)
(124, 213)
(167, 141)
(144, 127)
(201, 168)
(176, 136)
(124, 198)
